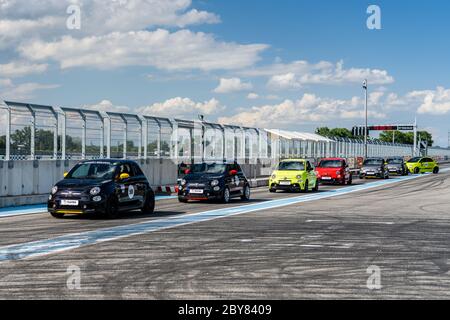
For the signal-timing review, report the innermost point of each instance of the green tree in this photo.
(406, 137)
(335, 132)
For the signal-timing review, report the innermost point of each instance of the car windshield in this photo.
(414, 160)
(291, 166)
(330, 164)
(373, 162)
(395, 161)
(96, 171)
(208, 168)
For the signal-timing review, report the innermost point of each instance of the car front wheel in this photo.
(149, 205)
(436, 170)
(316, 187)
(306, 189)
(246, 194)
(226, 195)
(111, 211)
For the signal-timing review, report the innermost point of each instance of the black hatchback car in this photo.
(214, 182)
(102, 187)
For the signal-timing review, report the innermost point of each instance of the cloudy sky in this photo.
(274, 64)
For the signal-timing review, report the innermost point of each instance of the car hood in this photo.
(395, 165)
(287, 174)
(80, 184)
(202, 177)
(371, 168)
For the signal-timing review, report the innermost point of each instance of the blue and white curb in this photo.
(34, 209)
(73, 241)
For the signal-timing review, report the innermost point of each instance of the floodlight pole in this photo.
(365, 87)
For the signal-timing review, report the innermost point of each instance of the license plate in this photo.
(370, 173)
(285, 183)
(69, 202)
(196, 191)
(326, 178)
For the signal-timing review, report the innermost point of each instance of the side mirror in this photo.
(233, 172)
(124, 176)
(65, 174)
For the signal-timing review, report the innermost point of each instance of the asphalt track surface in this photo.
(277, 246)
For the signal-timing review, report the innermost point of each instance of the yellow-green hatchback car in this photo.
(294, 175)
(422, 165)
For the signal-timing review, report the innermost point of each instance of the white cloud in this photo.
(181, 50)
(182, 107)
(435, 102)
(16, 69)
(284, 81)
(299, 73)
(24, 19)
(11, 91)
(106, 105)
(232, 85)
(308, 109)
(252, 96)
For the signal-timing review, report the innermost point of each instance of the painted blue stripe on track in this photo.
(40, 208)
(73, 241)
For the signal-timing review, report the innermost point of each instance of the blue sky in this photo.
(281, 64)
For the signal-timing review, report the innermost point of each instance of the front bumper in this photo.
(377, 175)
(331, 180)
(293, 186)
(85, 206)
(396, 171)
(208, 194)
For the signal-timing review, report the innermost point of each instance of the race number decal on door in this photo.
(131, 192)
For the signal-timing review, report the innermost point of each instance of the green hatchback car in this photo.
(422, 165)
(294, 175)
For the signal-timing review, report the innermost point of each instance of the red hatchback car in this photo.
(334, 170)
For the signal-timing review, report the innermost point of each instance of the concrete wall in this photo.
(29, 182)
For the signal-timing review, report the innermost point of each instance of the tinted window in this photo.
(330, 164)
(209, 168)
(373, 162)
(291, 165)
(137, 170)
(126, 168)
(414, 160)
(395, 161)
(96, 171)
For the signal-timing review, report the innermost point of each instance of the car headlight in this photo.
(183, 182)
(299, 177)
(214, 183)
(54, 189)
(274, 176)
(95, 191)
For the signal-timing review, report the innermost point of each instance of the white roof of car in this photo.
(295, 135)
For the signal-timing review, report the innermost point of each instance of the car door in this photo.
(242, 178)
(140, 184)
(346, 170)
(127, 191)
(233, 181)
(311, 174)
(427, 165)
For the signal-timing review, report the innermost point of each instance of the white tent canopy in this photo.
(295, 135)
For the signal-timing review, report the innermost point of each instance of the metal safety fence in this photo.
(38, 132)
